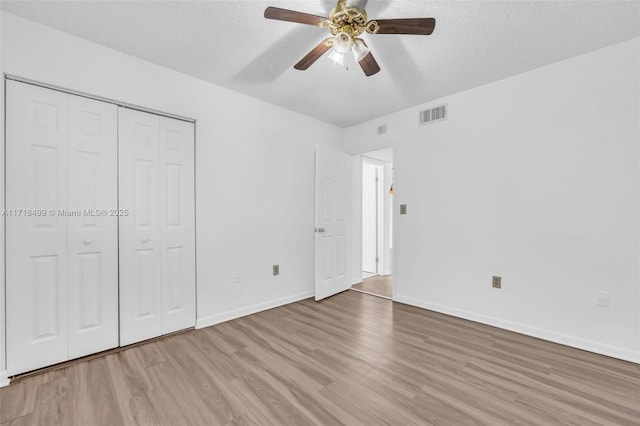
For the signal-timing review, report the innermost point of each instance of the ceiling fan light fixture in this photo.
(359, 49)
(342, 42)
(336, 57)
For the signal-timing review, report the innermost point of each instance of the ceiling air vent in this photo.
(433, 114)
(382, 129)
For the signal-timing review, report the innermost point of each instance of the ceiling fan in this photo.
(346, 24)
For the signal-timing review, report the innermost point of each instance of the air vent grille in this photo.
(382, 129)
(433, 114)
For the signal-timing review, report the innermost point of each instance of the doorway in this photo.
(375, 199)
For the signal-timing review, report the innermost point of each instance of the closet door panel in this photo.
(177, 224)
(139, 231)
(93, 227)
(36, 235)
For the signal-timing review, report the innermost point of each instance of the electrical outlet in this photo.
(276, 270)
(403, 209)
(602, 299)
(496, 282)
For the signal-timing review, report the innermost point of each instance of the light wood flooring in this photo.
(352, 359)
(379, 285)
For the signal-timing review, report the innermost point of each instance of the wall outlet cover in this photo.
(496, 282)
(403, 209)
(276, 270)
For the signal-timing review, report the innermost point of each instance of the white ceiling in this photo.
(229, 43)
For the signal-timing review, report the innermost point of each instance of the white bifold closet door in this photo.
(157, 237)
(92, 242)
(61, 261)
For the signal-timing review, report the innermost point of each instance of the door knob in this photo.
(144, 240)
(320, 229)
(88, 241)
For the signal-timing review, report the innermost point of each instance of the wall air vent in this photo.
(433, 114)
(382, 129)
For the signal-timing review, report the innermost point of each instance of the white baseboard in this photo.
(4, 379)
(552, 336)
(237, 313)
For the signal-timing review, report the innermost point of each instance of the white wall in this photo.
(534, 178)
(354, 227)
(254, 165)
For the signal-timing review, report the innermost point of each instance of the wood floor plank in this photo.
(101, 389)
(54, 400)
(142, 411)
(21, 401)
(216, 391)
(124, 394)
(352, 359)
(380, 285)
(289, 391)
(135, 377)
(26, 420)
(82, 406)
(560, 395)
(192, 385)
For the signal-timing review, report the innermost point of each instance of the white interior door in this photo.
(36, 255)
(92, 234)
(177, 225)
(332, 211)
(369, 218)
(139, 231)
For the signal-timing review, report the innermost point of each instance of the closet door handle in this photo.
(87, 241)
(144, 240)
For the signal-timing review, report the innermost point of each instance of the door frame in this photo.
(355, 265)
(4, 379)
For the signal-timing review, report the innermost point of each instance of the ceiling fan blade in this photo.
(293, 16)
(314, 54)
(419, 26)
(369, 65)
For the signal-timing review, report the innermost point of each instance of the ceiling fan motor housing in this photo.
(351, 21)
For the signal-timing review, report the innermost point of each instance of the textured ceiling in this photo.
(229, 43)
